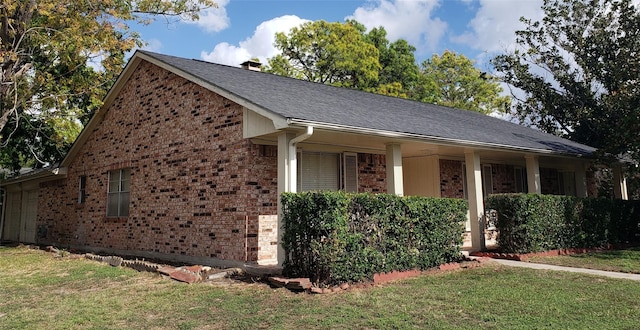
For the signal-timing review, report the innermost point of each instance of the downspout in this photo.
(293, 162)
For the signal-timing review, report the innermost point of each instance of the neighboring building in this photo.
(186, 159)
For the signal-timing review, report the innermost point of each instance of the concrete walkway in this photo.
(512, 263)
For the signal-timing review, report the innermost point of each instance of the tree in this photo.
(577, 73)
(48, 84)
(399, 72)
(452, 80)
(328, 53)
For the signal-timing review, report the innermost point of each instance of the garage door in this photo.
(12, 219)
(29, 216)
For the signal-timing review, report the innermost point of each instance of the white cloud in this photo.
(259, 45)
(493, 28)
(411, 20)
(213, 19)
(152, 45)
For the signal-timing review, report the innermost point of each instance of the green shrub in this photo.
(336, 237)
(535, 222)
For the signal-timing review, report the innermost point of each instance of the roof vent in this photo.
(251, 65)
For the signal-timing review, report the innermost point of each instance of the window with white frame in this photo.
(118, 196)
(327, 171)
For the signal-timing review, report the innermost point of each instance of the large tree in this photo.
(577, 73)
(329, 53)
(58, 59)
(452, 80)
(399, 72)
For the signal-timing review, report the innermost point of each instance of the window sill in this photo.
(115, 219)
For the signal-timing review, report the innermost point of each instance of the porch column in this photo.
(285, 174)
(581, 180)
(475, 198)
(619, 183)
(533, 174)
(394, 169)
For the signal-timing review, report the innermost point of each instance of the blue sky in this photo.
(241, 29)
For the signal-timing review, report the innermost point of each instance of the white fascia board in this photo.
(431, 139)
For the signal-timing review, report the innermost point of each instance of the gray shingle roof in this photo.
(308, 101)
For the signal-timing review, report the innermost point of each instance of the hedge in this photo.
(337, 237)
(535, 222)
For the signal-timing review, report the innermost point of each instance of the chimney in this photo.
(251, 65)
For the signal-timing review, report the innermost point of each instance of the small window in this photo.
(82, 189)
(118, 196)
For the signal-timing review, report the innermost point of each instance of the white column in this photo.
(475, 199)
(581, 180)
(284, 181)
(619, 183)
(533, 174)
(394, 169)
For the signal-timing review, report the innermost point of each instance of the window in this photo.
(118, 197)
(327, 171)
(82, 189)
(520, 174)
(567, 183)
(487, 180)
(350, 172)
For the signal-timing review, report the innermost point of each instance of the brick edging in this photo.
(526, 256)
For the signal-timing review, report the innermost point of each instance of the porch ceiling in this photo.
(337, 141)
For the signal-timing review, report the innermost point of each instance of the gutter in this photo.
(418, 137)
(293, 159)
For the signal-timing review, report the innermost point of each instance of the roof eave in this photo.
(294, 122)
(43, 175)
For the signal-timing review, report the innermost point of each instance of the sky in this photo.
(242, 29)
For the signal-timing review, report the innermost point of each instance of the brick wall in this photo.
(197, 187)
(503, 177)
(451, 179)
(372, 173)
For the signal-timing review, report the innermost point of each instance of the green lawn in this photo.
(626, 261)
(39, 291)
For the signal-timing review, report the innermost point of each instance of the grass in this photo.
(626, 261)
(40, 291)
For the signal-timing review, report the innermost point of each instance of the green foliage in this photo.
(328, 53)
(335, 237)
(452, 80)
(48, 87)
(535, 222)
(578, 68)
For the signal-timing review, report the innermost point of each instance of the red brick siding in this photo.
(372, 173)
(503, 177)
(451, 179)
(197, 187)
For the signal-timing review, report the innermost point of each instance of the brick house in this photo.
(186, 159)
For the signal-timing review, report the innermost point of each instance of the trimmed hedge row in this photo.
(336, 237)
(535, 222)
